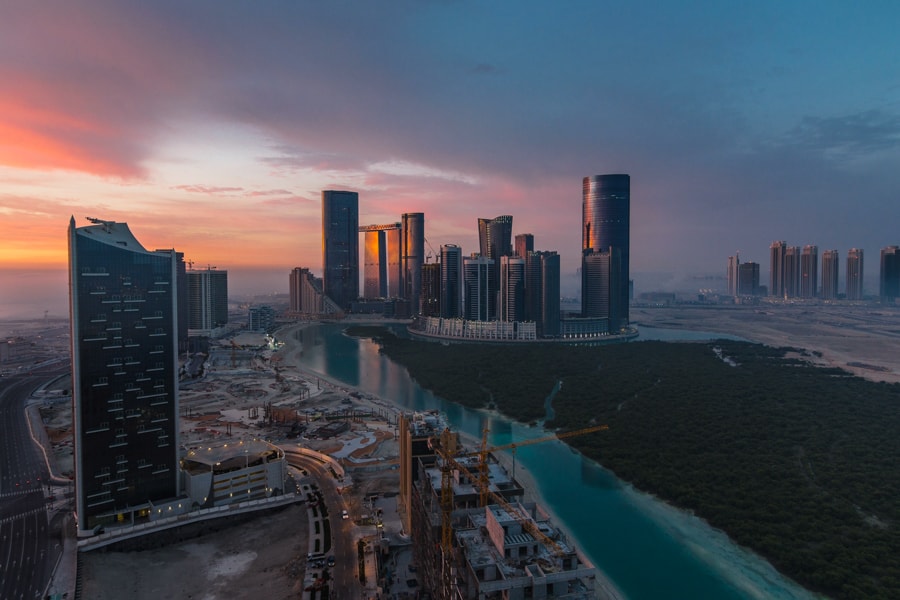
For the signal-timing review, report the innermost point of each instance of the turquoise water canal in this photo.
(646, 548)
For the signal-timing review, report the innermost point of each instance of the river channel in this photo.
(646, 548)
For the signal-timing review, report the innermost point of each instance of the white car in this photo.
(344, 514)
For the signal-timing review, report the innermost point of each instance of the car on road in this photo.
(344, 514)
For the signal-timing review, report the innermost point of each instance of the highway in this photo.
(28, 551)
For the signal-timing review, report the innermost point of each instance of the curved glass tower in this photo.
(606, 222)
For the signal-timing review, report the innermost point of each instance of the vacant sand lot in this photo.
(864, 340)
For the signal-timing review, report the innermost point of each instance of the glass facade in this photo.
(606, 222)
(412, 258)
(340, 246)
(451, 282)
(123, 309)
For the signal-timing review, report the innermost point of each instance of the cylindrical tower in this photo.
(413, 253)
(606, 223)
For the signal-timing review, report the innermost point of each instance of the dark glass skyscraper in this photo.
(123, 317)
(451, 281)
(606, 223)
(478, 272)
(340, 246)
(889, 290)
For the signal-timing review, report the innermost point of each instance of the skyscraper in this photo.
(207, 297)
(295, 291)
(524, 244)
(731, 276)
(340, 246)
(512, 289)
(382, 272)
(550, 294)
(809, 271)
(494, 241)
(431, 289)
(478, 272)
(123, 303)
(889, 290)
(606, 222)
(830, 269)
(748, 279)
(600, 278)
(855, 274)
(792, 272)
(412, 255)
(776, 268)
(451, 281)
(495, 236)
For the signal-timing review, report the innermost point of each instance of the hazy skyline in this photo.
(212, 127)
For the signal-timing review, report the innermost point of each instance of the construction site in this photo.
(474, 536)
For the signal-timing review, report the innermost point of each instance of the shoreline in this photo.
(604, 584)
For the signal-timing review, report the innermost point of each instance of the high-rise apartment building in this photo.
(307, 295)
(731, 275)
(855, 274)
(478, 273)
(776, 268)
(340, 246)
(830, 270)
(207, 296)
(412, 257)
(123, 303)
(512, 289)
(792, 272)
(524, 244)
(889, 288)
(809, 271)
(451, 281)
(747, 279)
(606, 209)
(550, 294)
(295, 290)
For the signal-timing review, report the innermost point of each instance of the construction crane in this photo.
(484, 450)
(447, 450)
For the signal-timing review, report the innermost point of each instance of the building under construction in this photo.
(473, 535)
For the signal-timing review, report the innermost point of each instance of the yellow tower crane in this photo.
(447, 450)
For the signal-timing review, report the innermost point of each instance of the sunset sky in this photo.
(213, 126)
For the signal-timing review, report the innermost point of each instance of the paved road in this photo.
(345, 582)
(27, 550)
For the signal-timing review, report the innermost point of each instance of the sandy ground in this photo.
(263, 558)
(864, 340)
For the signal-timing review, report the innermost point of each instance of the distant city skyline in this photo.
(739, 124)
